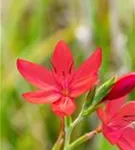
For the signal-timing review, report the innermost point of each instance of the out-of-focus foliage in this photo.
(30, 30)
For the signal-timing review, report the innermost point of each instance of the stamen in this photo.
(54, 68)
(70, 68)
(63, 73)
(65, 92)
(129, 118)
(133, 124)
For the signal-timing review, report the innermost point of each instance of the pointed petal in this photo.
(62, 58)
(83, 85)
(120, 123)
(41, 97)
(113, 107)
(64, 107)
(127, 142)
(124, 116)
(35, 74)
(102, 115)
(124, 145)
(122, 87)
(127, 112)
(111, 134)
(91, 65)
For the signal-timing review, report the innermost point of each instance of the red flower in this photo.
(119, 123)
(63, 83)
(122, 87)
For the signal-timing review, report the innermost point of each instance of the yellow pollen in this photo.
(65, 92)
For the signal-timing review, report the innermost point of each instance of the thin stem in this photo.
(77, 120)
(83, 114)
(85, 138)
(69, 126)
(60, 139)
(68, 131)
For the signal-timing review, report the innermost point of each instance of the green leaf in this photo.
(89, 98)
(104, 89)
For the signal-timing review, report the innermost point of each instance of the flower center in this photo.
(65, 92)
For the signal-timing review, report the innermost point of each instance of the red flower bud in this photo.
(122, 87)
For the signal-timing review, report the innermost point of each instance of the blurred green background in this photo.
(30, 29)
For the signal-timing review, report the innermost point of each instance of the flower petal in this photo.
(41, 97)
(113, 107)
(102, 115)
(122, 87)
(91, 65)
(127, 141)
(35, 74)
(83, 85)
(62, 59)
(123, 118)
(120, 122)
(127, 112)
(64, 106)
(111, 134)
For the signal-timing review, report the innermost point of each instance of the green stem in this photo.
(68, 131)
(83, 114)
(77, 120)
(84, 138)
(59, 142)
(81, 140)
(69, 126)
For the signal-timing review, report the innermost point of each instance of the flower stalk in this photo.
(69, 126)
(59, 142)
(84, 138)
(68, 131)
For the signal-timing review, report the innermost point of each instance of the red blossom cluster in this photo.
(63, 83)
(118, 117)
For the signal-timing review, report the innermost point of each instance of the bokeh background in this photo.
(30, 29)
